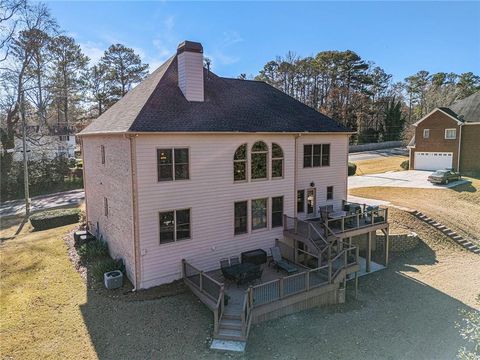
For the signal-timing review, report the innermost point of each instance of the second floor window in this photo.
(259, 160)
(426, 133)
(329, 192)
(450, 134)
(316, 155)
(173, 164)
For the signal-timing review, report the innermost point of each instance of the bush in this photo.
(352, 169)
(54, 218)
(92, 250)
(405, 165)
(105, 265)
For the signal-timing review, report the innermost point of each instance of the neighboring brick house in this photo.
(448, 137)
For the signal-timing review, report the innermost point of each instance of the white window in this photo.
(450, 134)
(426, 133)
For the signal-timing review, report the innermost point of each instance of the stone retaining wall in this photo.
(399, 242)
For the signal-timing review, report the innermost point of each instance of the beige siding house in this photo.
(189, 165)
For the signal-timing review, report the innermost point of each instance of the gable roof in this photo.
(462, 111)
(468, 109)
(231, 105)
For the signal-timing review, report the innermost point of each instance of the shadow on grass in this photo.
(467, 187)
(394, 317)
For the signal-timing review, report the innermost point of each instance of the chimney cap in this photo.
(190, 46)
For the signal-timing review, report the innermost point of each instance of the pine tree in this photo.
(394, 121)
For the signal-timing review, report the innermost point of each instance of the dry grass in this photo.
(380, 165)
(457, 208)
(40, 298)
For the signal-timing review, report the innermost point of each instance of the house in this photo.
(448, 137)
(48, 143)
(190, 168)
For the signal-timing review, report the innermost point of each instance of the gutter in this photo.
(295, 171)
(459, 147)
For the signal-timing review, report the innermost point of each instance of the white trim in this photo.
(472, 123)
(433, 111)
(126, 132)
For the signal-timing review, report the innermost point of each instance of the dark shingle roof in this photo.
(468, 109)
(158, 105)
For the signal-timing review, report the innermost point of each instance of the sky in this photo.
(240, 37)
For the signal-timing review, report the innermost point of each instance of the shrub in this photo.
(54, 218)
(105, 265)
(93, 249)
(405, 165)
(352, 169)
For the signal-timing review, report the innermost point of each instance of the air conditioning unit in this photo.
(113, 279)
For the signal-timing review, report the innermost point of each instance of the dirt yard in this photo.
(458, 207)
(407, 311)
(380, 165)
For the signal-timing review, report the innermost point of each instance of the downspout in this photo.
(459, 147)
(136, 246)
(84, 181)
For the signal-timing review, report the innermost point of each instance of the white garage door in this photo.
(433, 160)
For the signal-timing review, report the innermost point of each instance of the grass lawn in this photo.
(457, 208)
(380, 165)
(406, 311)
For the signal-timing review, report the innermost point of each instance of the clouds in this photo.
(220, 54)
(94, 50)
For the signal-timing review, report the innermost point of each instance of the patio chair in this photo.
(224, 264)
(234, 260)
(280, 263)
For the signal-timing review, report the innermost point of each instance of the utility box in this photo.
(113, 279)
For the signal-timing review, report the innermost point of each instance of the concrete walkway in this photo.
(406, 179)
(43, 202)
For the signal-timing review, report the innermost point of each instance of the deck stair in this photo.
(466, 244)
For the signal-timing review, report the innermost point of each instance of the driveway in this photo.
(43, 202)
(407, 179)
(375, 154)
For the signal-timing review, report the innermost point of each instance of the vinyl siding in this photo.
(334, 175)
(210, 193)
(112, 180)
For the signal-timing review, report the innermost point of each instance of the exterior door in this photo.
(433, 160)
(311, 203)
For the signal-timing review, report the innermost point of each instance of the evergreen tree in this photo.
(123, 69)
(394, 121)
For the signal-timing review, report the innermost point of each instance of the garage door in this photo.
(433, 160)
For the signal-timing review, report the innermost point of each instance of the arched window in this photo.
(240, 163)
(259, 160)
(277, 161)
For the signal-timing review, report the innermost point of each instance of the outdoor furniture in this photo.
(224, 264)
(257, 257)
(251, 275)
(241, 272)
(234, 260)
(280, 263)
(337, 214)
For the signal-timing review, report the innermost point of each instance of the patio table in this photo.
(239, 270)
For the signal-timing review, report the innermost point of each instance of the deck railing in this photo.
(207, 286)
(356, 221)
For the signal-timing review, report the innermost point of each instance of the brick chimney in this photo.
(190, 70)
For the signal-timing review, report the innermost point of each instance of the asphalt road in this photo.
(373, 154)
(43, 202)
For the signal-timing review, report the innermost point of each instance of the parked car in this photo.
(444, 176)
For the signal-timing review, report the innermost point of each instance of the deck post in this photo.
(295, 225)
(356, 284)
(285, 226)
(387, 245)
(329, 272)
(250, 295)
(369, 251)
(358, 220)
(343, 224)
(201, 281)
(184, 275)
(307, 281)
(280, 288)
